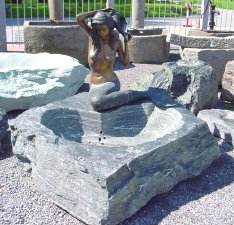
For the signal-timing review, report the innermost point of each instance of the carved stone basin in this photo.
(133, 126)
(65, 38)
(103, 167)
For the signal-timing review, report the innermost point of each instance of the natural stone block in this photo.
(29, 80)
(216, 58)
(65, 38)
(213, 47)
(149, 46)
(228, 83)
(192, 83)
(220, 122)
(103, 167)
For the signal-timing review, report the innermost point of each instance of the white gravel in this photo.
(205, 200)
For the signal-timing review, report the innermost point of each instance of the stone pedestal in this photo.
(149, 46)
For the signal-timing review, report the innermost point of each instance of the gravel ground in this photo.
(204, 200)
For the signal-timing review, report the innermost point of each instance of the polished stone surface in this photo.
(29, 80)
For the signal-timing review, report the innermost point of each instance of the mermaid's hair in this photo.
(102, 18)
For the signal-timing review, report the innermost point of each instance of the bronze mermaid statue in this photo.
(104, 43)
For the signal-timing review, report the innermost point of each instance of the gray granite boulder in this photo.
(4, 132)
(216, 58)
(103, 167)
(191, 82)
(220, 122)
(228, 83)
(29, 80)
(213, 47)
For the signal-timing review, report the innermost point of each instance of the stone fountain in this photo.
(103, 167)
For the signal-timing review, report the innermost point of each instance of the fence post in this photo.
(56, 9)
(110, 4)
(138, 10)
(204, 14)
(3, 44)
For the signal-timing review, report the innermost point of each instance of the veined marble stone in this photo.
(220, 122)
(103, 167)
(29, 80)
(191, 82)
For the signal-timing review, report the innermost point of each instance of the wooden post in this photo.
(138, 11)
(3, 43)
(204, 14)
(110, 4)
(55, 9)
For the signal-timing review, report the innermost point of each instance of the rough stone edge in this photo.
(217, 124)
(207, 42)
(202, 126)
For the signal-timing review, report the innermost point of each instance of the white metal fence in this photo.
(170, 14)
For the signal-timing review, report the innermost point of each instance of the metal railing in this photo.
(170, 14)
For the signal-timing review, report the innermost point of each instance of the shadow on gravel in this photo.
(218, 175)
(119, 66)
(173, 57)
